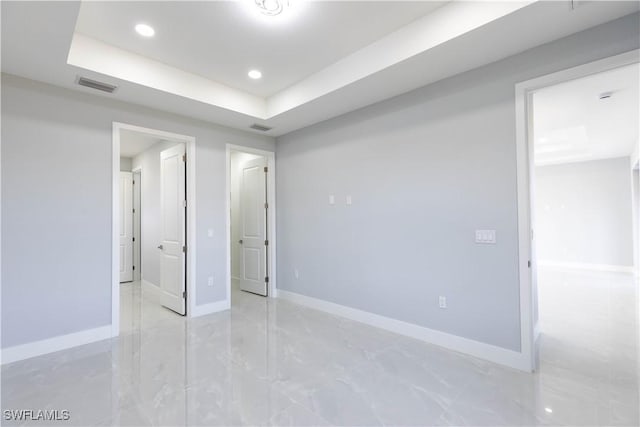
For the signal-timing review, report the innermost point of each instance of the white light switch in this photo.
(487, 237)
(210, 232)
(348, 200)
(210, 281)
(332, 199)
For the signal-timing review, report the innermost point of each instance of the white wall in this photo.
(56, 205)
(125, 164)
(425, 170)
(584, 213)
(237, 160)
(149, 162)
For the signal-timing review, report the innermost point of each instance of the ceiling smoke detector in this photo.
(272, 7)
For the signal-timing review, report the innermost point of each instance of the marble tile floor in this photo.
(271, 362)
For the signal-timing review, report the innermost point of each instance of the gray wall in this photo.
(56, 206)
(125, 164)
(149, 161)
(425, 170)
(584, 213)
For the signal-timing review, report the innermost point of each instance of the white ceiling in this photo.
(225, 40)
(572, 124)
(39, 42)
(133, 143)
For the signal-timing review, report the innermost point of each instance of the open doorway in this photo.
(578, 219)
(153, 227)
(252, 225)
(585, 132)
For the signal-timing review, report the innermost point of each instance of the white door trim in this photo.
(524, 152)
(190, 144)
(271, 220)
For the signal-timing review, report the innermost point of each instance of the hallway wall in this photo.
(584, 213)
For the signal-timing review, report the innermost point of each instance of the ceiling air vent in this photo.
(261, 128)
(93, 84)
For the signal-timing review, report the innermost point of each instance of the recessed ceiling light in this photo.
(548, 410)
(255, 74)
(145, 30)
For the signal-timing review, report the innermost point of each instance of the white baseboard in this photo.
(586, 266)
(50, 345)
(478, 349)
(213, 307)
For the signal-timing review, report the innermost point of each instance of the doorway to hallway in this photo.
(153, 222)
(250, 227)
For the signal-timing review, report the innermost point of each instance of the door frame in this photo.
(137, 219)
(270, 156)
(190, 146)
(529, 332)
(129, 174)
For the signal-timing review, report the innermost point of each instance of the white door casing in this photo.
(137, 237)
(253, 227)
(126, 227)
(172, 222)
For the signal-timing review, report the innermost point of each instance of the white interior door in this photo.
(126, 227)
(253, 227)
(172, 220)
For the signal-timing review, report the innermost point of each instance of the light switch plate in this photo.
(348, 200)
(486, 237)
(442, 302)
(332, 199)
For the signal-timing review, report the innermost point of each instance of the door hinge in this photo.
(134, 182)
(529, 264)
(266, 279)
(134, 211)
(184, 157)
(266, 243)
(134, 267)
(266, 169)
(184, 249)
(266, 205)
(133, 239)
(184, 203)
(184, 294)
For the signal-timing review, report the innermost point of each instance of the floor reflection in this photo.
(271, 362)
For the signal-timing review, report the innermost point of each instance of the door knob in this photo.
(160, 247)
(240, 241)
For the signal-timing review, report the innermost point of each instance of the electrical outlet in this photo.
(442, 302)
(210, 281)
